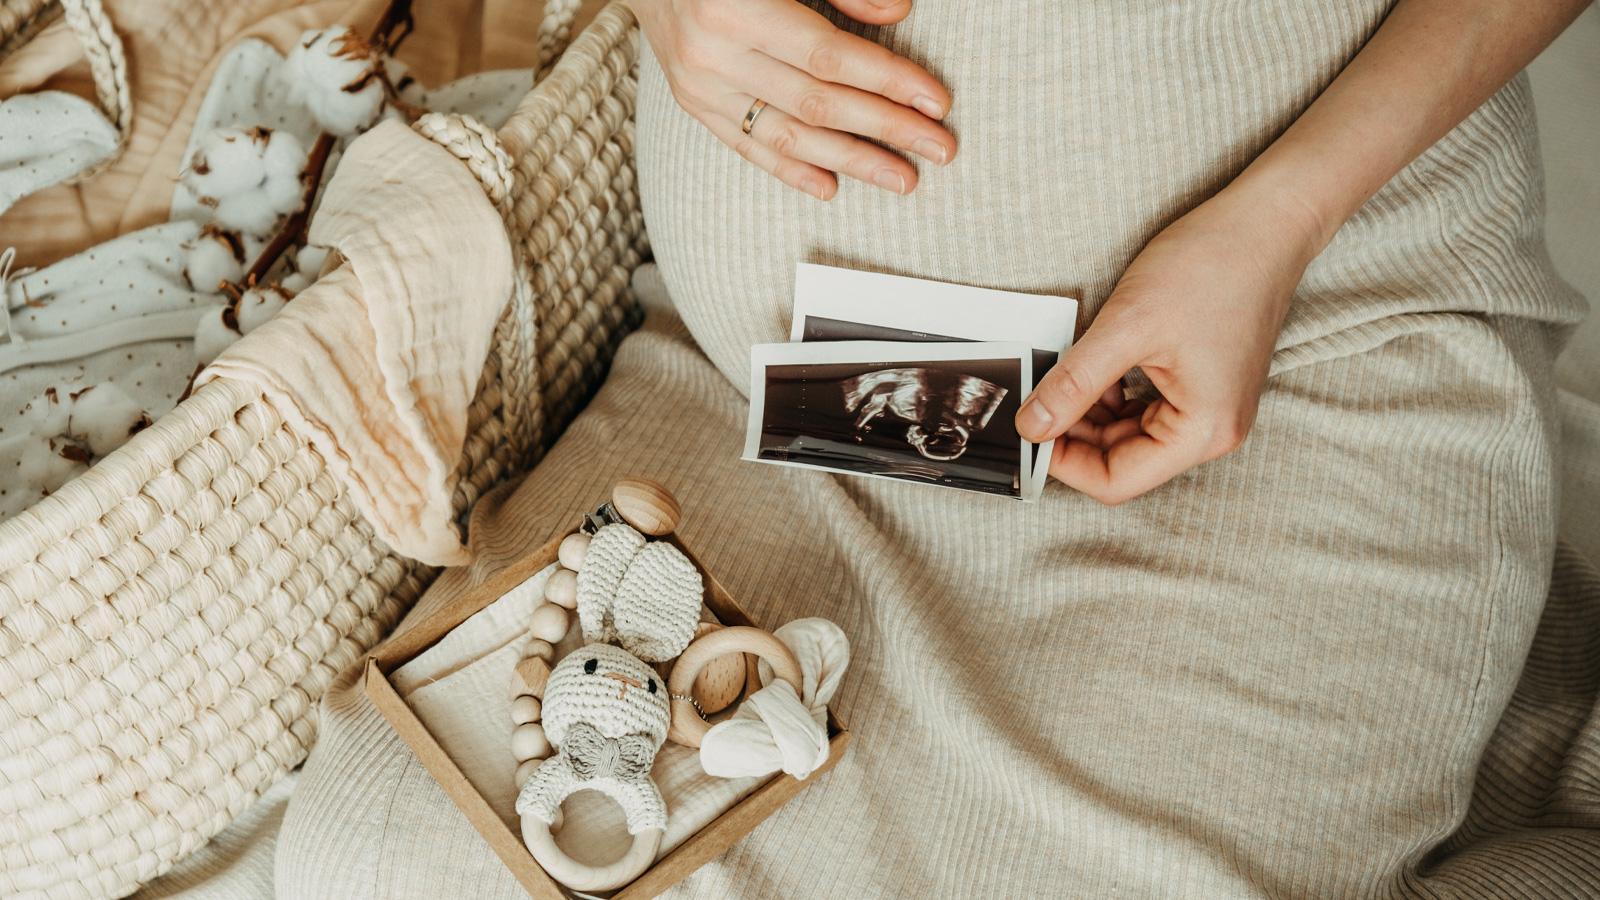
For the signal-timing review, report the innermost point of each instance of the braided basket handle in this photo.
(108, 64)
(502, 160)
(555, 32)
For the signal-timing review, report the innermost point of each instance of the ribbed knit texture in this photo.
(1315, 667)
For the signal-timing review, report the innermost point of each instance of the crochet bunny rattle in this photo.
(608, 714)
(605, 709)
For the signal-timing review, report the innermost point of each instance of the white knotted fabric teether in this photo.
(776, 729)
(644, 596)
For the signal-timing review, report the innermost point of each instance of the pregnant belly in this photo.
(1084, 128)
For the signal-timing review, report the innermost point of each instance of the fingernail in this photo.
(929, 107)
(814, 188)
(1034, 418)
(930, 149)
(889, 180)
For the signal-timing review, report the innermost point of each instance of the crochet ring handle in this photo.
(579, 876)
(688, 726)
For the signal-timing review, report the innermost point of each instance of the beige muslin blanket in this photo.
(377, 362)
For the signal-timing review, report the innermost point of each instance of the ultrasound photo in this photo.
(833, 304)
(895, 410)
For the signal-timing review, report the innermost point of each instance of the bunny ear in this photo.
(611, 551)
(657, 603)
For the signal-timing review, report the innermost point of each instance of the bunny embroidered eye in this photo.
(590, 666)
(651, 686)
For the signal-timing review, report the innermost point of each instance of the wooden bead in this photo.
(721, 681)
(528, 742)
(542, 649)
(525, 709)
(562, 588)
(531, 675)
(647, 506)
(573, 550)
(525, 770)
(548, 623)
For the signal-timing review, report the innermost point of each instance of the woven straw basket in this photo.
(169, 620)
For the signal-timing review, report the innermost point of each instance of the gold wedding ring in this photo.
(751, 116)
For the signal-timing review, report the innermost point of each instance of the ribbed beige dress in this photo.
(1315, 667)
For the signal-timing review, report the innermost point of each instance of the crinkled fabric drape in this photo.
(379, 359)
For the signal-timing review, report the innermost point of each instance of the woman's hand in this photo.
(1199, 311)
(826, 89)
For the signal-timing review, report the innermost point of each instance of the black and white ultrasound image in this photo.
(822, 328)
(947, 422)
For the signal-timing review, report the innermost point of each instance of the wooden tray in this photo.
(702, 847)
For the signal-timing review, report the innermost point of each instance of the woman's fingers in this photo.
(1086, 372)
(1138, 455)
(803, 176)
(811, 44)
(832, 150)
(838, 85)
(874, 12)
(840, 108)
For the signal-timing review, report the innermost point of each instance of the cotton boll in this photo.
(215, 332)
(61, 431)
(343, 112)
(295, 282)
(259, 304)
(47, 414)
(45, 464)
(104, 417)
(335, 56)
(249, 178)
(308, 262)
(215, 256)
(252, 212)
(225, 161)
(334, 74)
(283, 158)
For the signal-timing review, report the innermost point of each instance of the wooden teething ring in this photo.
(688, 727)
(580, 877)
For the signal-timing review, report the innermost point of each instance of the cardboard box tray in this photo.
(428, 626)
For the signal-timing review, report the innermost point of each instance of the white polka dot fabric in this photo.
(46, 138)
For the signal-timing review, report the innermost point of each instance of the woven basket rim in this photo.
(123, 472)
